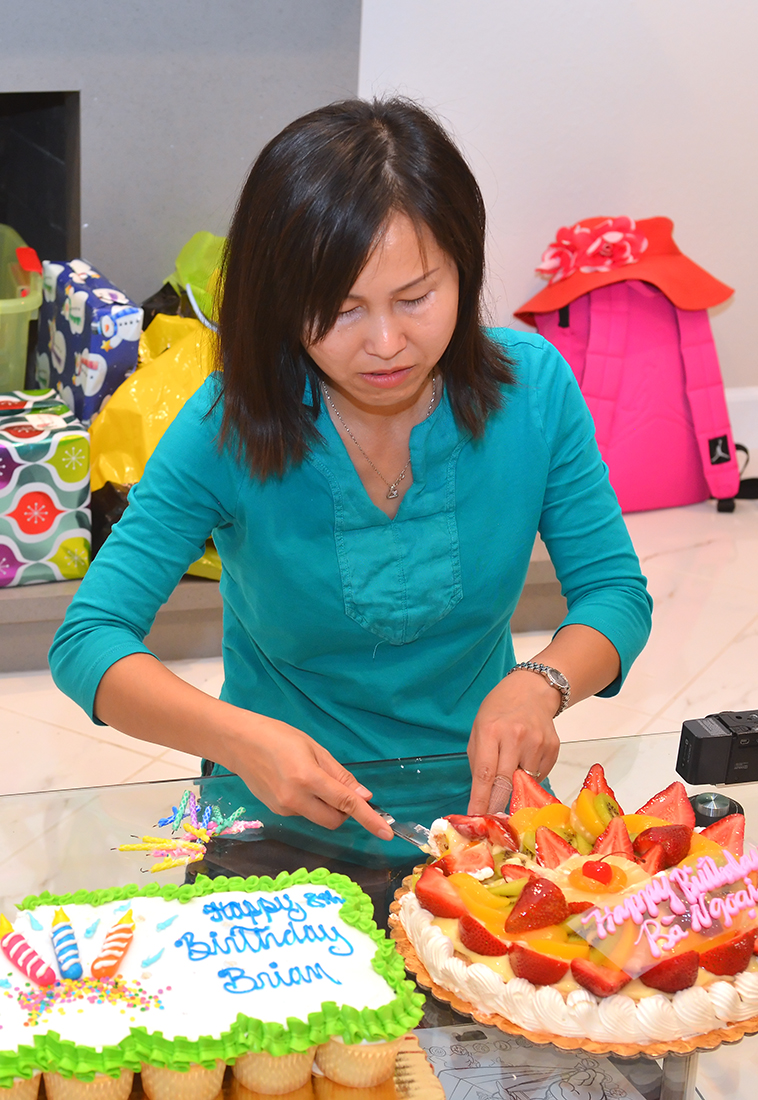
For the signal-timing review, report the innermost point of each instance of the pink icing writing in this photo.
(695, 887)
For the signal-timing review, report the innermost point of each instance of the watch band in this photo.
(555, 678)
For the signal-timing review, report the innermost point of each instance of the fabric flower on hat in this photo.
(611, 243)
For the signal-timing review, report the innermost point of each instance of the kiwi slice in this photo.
(606, 808)
(583, 845)
(508, 888)
(528, 841)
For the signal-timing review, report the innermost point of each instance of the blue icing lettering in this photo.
(320, 901)
(164, 924)
(242, 938)
(122, 908)
(89, 933)
(35, 924)
(237, 981)
(152, 958)
(260, 910)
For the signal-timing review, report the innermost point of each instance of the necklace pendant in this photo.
(392, 492)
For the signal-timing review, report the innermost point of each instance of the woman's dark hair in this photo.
(312, 209)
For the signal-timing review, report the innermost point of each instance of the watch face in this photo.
(558, 679)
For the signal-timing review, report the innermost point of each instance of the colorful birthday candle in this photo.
(115, 946)
(23, 956)
(65, 946)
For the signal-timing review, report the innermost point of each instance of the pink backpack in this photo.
(650, 376)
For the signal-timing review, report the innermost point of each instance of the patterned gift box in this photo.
(88, 336)
(45, 524)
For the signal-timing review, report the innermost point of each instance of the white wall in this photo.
(177, 99)
(572, 108)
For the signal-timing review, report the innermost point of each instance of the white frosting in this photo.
(268, 955)
(616, 1019)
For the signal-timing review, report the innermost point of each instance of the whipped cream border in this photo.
(660, 1017)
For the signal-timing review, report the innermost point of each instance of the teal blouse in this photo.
(378, 637)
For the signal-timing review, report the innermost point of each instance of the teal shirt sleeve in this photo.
(185, 493)
(581, 521)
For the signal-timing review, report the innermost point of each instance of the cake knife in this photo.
(408, 830)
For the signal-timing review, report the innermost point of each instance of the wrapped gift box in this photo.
(45, 524)
(88, 336)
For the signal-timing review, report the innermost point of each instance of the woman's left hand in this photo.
(513, 728)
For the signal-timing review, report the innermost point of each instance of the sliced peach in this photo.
(561, 950)
(554, 816)
(637, 823)
(522, 820)
(703, 846)
(585, 818)
(487, 907)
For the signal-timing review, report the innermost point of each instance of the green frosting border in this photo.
(50, 1053)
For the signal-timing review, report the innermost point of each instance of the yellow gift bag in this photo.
(176, 355)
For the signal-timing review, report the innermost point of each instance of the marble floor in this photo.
(702, 569)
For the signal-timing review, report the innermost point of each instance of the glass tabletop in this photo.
(62, 841)
(67, 840)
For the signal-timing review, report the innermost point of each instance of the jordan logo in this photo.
(719, 450)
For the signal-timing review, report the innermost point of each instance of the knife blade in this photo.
(408, 830)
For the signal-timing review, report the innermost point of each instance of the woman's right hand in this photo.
(294, 775)
(284, 767)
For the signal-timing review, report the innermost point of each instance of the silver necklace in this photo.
(391, 485)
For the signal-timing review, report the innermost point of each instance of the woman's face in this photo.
(395, 323)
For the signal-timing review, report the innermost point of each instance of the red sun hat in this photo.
(599, 251)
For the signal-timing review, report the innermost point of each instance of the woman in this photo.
(373, 467)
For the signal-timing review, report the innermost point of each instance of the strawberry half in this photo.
(600, 980)
(615, 841)
(729, 958)
(729, 832)
(551, 849)
(473, 857)
(654, 861)
(674, 839)
(539, 904)
(528, 792)
(510, 871)
(492, 827)
(596, 782)
(576, 907)
(477, 938)
(674, 974)
(438, 895)
(672, 804)
(537, 969)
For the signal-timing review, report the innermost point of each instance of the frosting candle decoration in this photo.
(23, 956)
(65, 946)
(115, 946)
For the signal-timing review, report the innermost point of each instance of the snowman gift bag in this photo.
(88, 336)
(45, 521)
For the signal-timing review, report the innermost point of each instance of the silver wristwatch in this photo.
(555, 678)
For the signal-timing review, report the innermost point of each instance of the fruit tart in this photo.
(587, 926)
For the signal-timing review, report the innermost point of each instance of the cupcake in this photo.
(358, 1065)
(23, 1088)
(330, 1090)
(274, 1074)
(239, 1092)
(102, 1087)
(194, 1083)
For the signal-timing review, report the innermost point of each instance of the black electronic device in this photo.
(720, 748)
